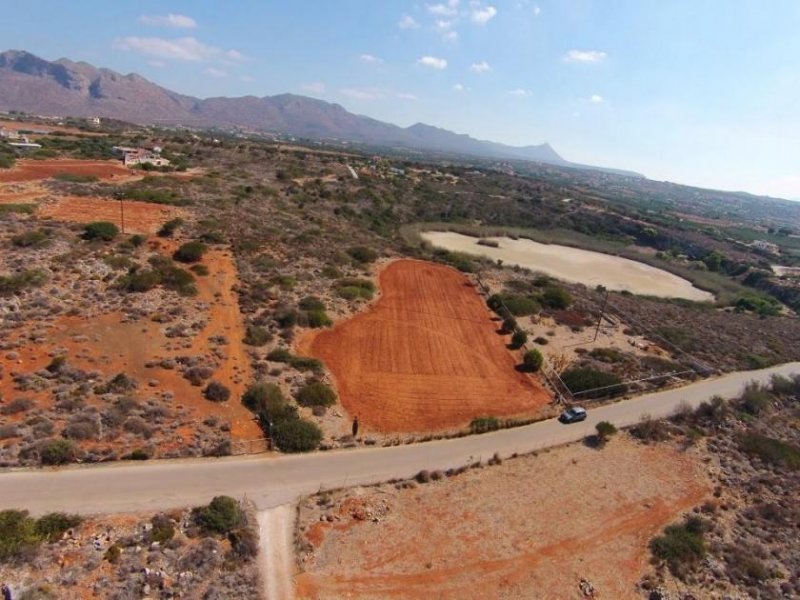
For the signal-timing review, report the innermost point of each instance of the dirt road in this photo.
(271, 482)
(276, 559)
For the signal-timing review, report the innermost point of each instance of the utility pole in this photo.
(600, 317)
(122, 215)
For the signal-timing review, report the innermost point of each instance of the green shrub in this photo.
(260, 396)
(484, 424)
(100, 230)
(163, 530)
(311, 303)
(680, 546)
(18, 536)
(318, 318)
(36, 238)
(519, 305)
(519, 339)
(532, 360)
(257, 336)
(604, 431)
(582, 379)
(168, 228)
(770, 450)
(316, 393)
(362, 254)
(14, 284)
(190, 252)
(296, 435)
(352, 292)
(73, 178)
(217, 392)
(221, 516)
(53, 525)
(281, 355)
(58, 452)
(201, 270)
(556, 298)
(755, 399)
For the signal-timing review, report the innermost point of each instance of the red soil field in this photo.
(425, 357)
(34, 170)
(140, 217)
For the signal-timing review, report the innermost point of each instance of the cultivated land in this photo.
(574, 265)
(533, 527)
(134, 217)
(425, 357)
(34, 170)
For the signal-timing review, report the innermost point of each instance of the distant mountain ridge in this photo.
(63, 87)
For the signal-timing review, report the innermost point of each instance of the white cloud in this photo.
(537, 10)
(520, 92)
(433, 62)
(443, 8)
(450, 36)
(443, 24)
(185, 48)
(246, 78)
(316, 87)
(596, 99)
(369, 58)
(481, 16)
(480, 67)
(459, 88)
(406, 96)
(170, 20)
(216, 72)
(407, 22)
(585, 56)
(159, 64)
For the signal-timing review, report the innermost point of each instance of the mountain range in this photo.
(62, 87)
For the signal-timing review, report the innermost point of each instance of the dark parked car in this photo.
(573, 415)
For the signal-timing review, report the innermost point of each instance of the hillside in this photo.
(63, 87)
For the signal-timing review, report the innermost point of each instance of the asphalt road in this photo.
(272, 481)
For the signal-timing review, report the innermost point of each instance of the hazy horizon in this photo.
(698, 95)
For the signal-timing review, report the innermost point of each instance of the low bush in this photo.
(100, 230)
(14, 284)
(217, 392)
(601, 384)
(18, 536)
(681, 546)
(362, 254)
(170, 227)
(311, 303)
(190, 252)
(257, 336)
(519, 339)
(58, 452)
(317, 319)
(316, 393)
(35, 238)
(351, 288)
(484, 424)
(755, 399)
(296, 435)
(221, 516)
(260, 396)
(770, 450)
(163, 529)
(532, 360)
(54, 525)
(555, 297)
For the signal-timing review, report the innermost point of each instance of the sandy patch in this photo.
(426, 356)
(575, 265)
(529, 528)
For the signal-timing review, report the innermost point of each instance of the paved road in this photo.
(273, 481)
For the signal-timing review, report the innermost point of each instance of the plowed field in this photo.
(33, 170)
(425, 357)
(140, 217)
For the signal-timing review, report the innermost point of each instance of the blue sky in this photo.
(698, 92)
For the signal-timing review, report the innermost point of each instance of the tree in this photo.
(604, 431)
(222, 515)
(58, 452)
(260, 396)
(532, 360)
(297, 435)
(100, 230)
(556, 297)
(519, 339)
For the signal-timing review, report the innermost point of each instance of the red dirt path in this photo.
(425, 357)
(33, 170)
(140, 217)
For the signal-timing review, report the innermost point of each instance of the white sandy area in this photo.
(575, 265)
